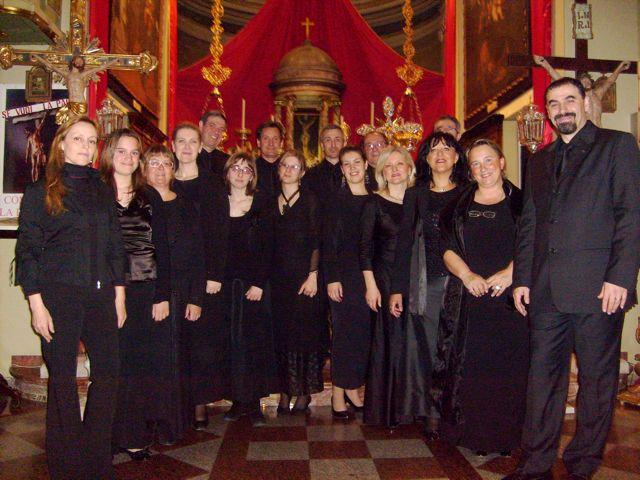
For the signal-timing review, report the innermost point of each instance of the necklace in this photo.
(442, 189)
(286, 206)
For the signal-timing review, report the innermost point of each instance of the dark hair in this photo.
(106, 161)
(186, 126)
(451, 118)
(565, 81)
(460, 172)
(351, 148)
(54, 188)
(269, 124)
(239, 157)
(212, 113)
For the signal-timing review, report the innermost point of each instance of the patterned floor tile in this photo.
(335, 432)
(335, 449)
(158, 467)
(624, 458)
(278, 451)
(33, 468)
(401, 448)
(382, 433)
(343, 469)
(13, 447)
(263, 470)
(201, 455)
(408, 468)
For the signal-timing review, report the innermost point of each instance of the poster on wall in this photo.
(26, 135)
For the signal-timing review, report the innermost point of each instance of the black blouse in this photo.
(144, 231)
(431, 228)
(380, 224)
(82, 246)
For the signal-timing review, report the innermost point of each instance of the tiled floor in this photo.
(311, 447)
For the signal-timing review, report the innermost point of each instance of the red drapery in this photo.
(366, 62)
(98, 28)
(541, 29)
(449, 55)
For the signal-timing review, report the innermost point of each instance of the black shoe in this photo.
(481, 453)
(343, 415)
(137, 455)
(200, 425)
(257, 418)
(529, 476)
(283, 410)
(505, 453)
(234, 413)
(302, 404)
(357, 409)
(431, 435)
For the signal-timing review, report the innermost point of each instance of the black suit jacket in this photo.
(584, 229)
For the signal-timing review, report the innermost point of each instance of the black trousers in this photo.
(596, 341)
(77, 448)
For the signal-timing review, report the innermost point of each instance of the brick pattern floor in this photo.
(308, 447)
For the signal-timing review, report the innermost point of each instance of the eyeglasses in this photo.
(371, 146)
(485, 214)
(293, 167)
(155, 163)
(244, 170)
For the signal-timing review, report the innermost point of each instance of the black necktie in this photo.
(561, 159)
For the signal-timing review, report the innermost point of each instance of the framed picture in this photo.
(493, 29)
(26, 139)
(146, 19)
(38, 85)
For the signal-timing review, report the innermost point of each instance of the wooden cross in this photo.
(66, 53)
(580, 64)
(307, 24)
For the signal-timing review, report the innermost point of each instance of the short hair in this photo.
(331, 126)
(384, 137)
(565, 81)
(489, 143)
(270, 124)
(297, 154)
(157, 149)
(459, 174)
(451, 118)
(349, 149)
(186, 126)
(236, 158)
(212, 113)
(382, 161)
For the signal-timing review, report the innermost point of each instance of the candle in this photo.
(373, 109)
(244, 106)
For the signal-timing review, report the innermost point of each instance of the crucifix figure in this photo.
(307, 24)
(582, 64)
(77, 61)
(595, 93)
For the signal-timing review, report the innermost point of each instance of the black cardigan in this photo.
(79, 247)
(216, 221)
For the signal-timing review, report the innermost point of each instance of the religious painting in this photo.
(305, 135)
(493, 29)
(26, 137)
(490, 128)
(137, 26)
(38, 85)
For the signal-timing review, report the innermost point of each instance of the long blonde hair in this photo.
(54, 188)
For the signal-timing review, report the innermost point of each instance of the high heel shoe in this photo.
(341, 415)
(137, 455)
(284, 407)
(356, 408)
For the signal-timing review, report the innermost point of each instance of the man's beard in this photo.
(566, 128)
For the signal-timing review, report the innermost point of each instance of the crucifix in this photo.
(76, 60)
(307, 24)
(581, 64)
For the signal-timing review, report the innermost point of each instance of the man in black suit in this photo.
(575, 270)
(325, 178)
(213, 127)
(270, 139)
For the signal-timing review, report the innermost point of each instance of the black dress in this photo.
(351, 320)
(241, 354)
(380, 224)
(144, 390)
(301, 334)
(483, 352)
(187, 287)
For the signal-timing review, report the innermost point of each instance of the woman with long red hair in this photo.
(70, 264)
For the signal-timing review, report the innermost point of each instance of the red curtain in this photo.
(450, 57)
(98, 28)
(541, 30)
(366, 62)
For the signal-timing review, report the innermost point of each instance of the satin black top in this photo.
(135, 221)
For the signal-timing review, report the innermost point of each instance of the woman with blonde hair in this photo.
(395, 172)
(70, 264)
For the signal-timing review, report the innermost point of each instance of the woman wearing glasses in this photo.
(300, 332)
(238, 246)
(140, 211)
(350, 316)
(480, 371)
(187, 292)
